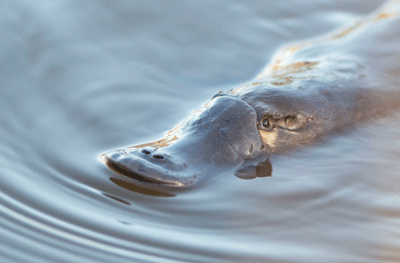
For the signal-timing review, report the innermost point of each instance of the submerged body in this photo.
(295, 101)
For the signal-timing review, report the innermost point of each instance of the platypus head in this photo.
(212, 141)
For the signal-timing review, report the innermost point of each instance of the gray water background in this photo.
(78, 78)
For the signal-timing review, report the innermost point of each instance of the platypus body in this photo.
(293, 102)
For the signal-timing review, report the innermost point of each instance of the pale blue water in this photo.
(78, 78)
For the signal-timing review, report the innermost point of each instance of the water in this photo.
(78, 78)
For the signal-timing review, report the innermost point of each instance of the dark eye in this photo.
(266, 123)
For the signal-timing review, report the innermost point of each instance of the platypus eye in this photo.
(266, 124)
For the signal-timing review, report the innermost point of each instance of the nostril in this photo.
(145, 151)
(158, 156)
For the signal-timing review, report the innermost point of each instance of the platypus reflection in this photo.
(293, 102)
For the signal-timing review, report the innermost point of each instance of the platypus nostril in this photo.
(158, 156)
(145, 151)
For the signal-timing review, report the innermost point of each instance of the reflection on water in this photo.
(78, 78)
(132, 186)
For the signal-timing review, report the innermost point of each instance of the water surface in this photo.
(78, 78)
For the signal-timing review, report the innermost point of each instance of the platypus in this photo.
(295, 101)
